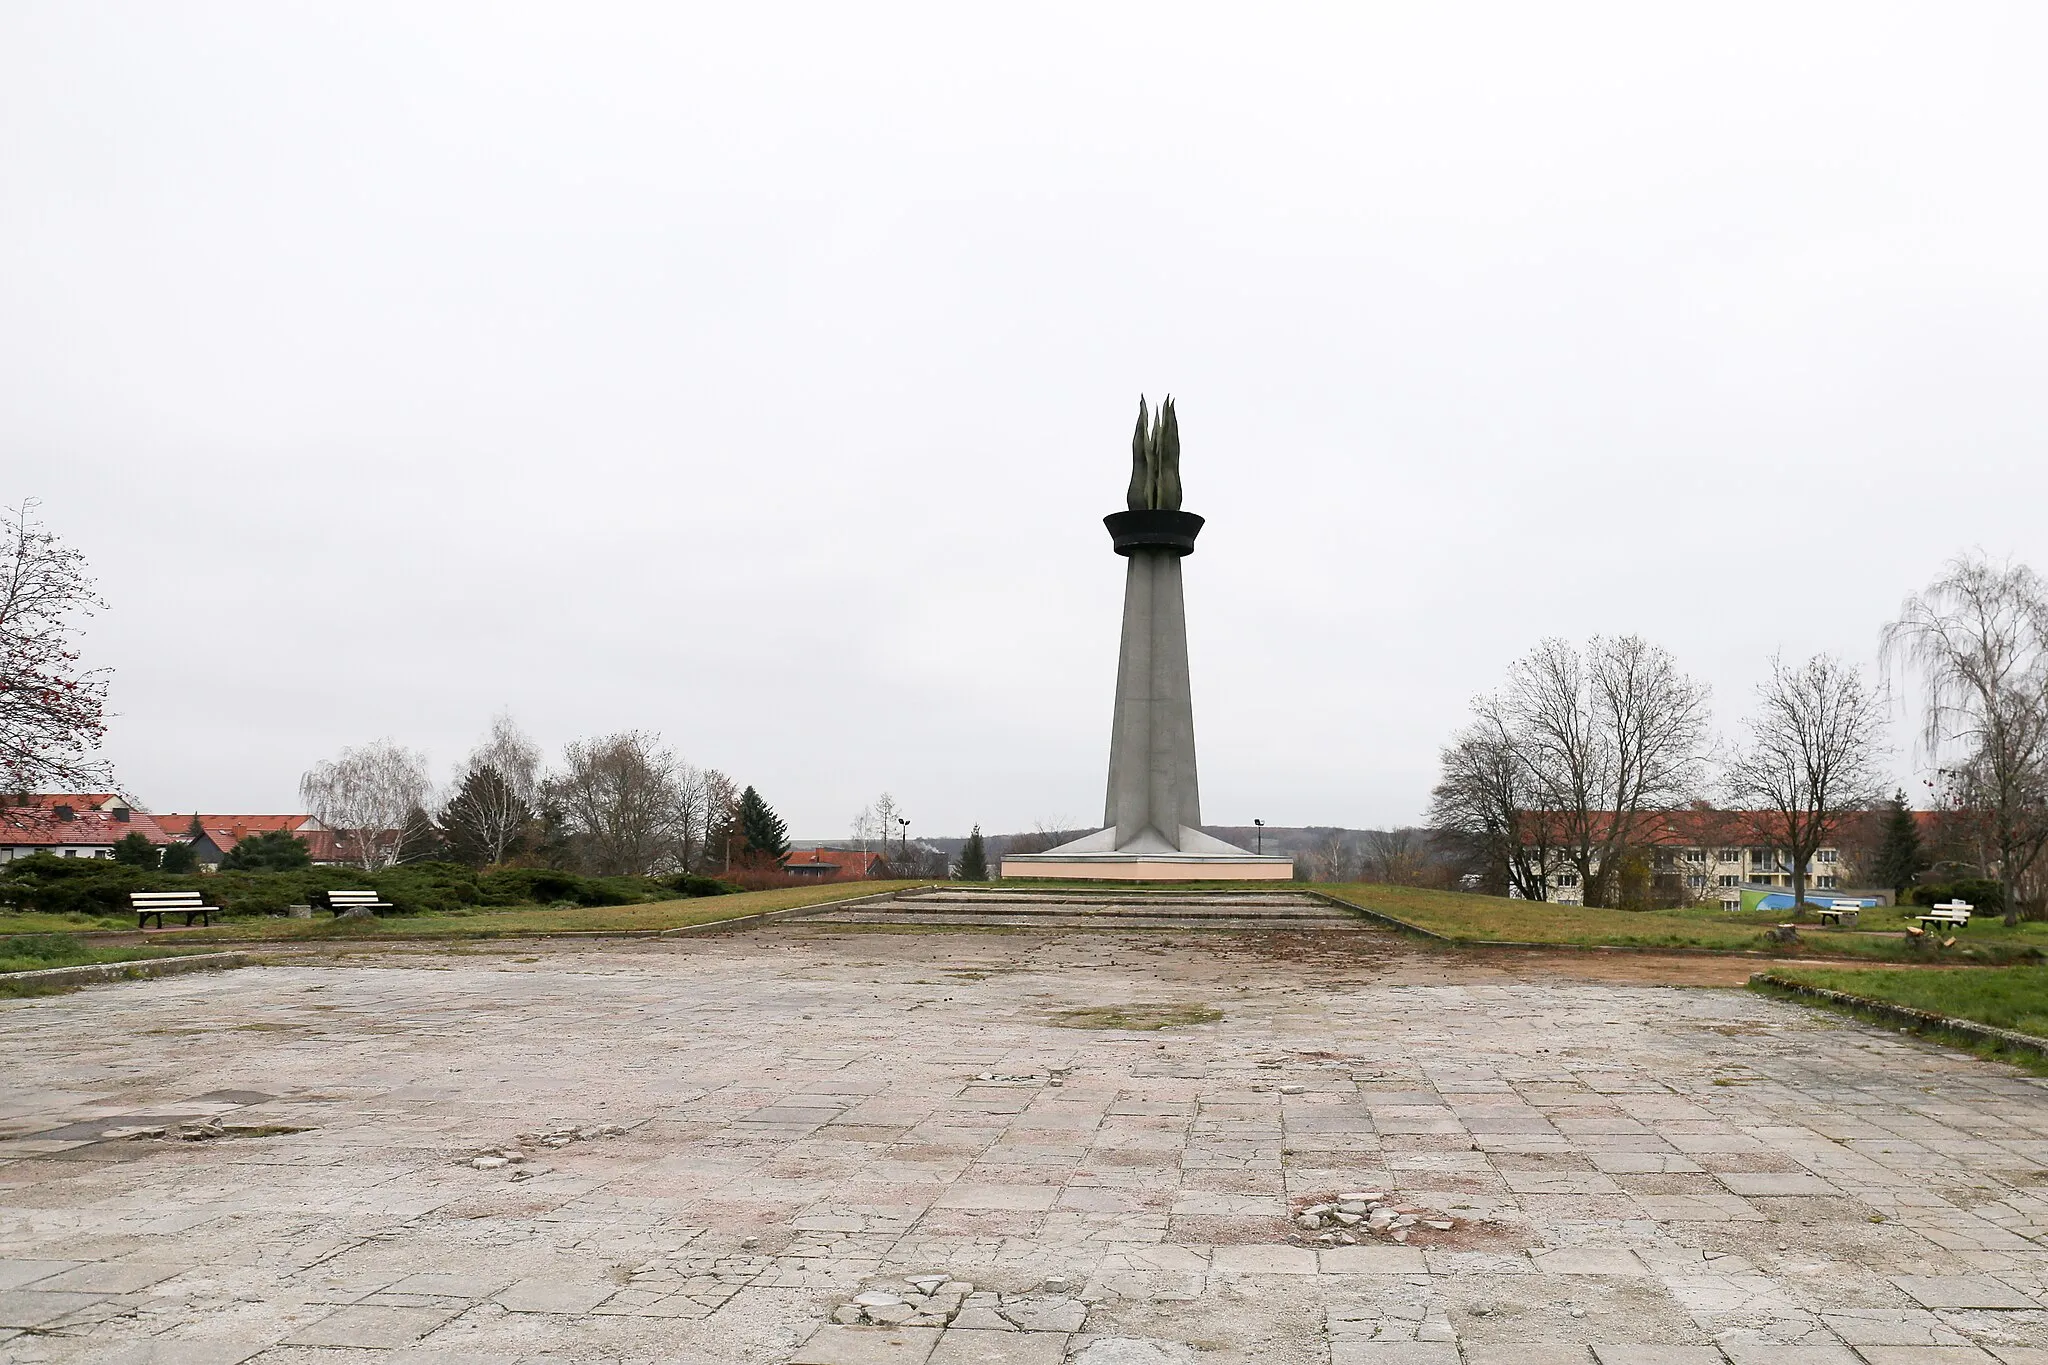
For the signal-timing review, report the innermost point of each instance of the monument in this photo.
(1154, 805)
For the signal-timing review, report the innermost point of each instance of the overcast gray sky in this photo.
(759, 375)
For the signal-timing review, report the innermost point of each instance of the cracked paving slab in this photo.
(833, 1145)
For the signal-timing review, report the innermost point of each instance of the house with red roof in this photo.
(218, 835)
(72, 825)
(833, 864)
(1707, 855)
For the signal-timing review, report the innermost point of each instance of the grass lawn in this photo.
(2013, 998)
(36, 951)
(1469, 918)
(35, 922)
(527, 920)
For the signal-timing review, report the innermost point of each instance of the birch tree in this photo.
(491, 813)
(1978, 638)
(366, 796)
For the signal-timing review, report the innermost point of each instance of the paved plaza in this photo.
(835, 1145)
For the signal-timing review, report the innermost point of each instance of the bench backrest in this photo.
(164, 900)
(1963, 906)
(351, 897)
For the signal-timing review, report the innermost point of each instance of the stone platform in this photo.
(1003, 908)
(735, 1148)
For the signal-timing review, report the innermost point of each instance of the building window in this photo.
(1826, 855)
(1727, 880)
(1695, 855)
(1731, 855)
(1763, 857)
(1567, 879)
(1696, 883)
(1827, 883)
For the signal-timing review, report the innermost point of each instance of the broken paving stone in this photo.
(875, 1298)
(927, 1284)
(982, 1320)
(489, 1163)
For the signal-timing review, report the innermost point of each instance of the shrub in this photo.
(765, 877)
(96, 887)
(1987, 896)
(690, 884)
(274, 850)
(135, 850)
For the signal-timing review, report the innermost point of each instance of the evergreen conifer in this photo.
(974, 858)
(1900, 858)
(274, 850)
(135, 850)
(765, 834)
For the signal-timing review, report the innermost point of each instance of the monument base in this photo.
(1149, 857)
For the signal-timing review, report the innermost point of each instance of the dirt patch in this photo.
(1137, 1018)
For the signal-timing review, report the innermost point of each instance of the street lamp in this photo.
(1259, 839)
(903, 847)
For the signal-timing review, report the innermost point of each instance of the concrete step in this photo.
(1169, 910)
(994, 921)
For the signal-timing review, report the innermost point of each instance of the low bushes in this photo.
(99, 888)
(1987, 896)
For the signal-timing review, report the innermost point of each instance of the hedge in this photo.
(97, 887)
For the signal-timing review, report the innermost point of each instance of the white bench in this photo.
(1841, 914)
(349, 902)
(161, 903)
(1955, 914)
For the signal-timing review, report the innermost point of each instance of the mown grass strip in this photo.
(1970, 1035)
(1471, 920)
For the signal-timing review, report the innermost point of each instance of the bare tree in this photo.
(1330, 857)
(1811, 759)
(888, 816)
(1487, 799)
(366, 797)
(721, 819)
(1043, 835)
(1608, 737)
(492, 809)
(1399, 857)
(1575, 752)
(622, 801)
(52, 713)
(1979, 638)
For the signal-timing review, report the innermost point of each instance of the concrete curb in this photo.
(1916, 1020)
(94, 972)
(1392, 923)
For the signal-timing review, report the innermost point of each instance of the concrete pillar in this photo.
(1152, 782)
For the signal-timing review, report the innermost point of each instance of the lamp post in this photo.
(1259, 838)
(903, 845)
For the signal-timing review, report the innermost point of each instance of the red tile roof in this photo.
(225, 831)
(37, 826)
(845, 863)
